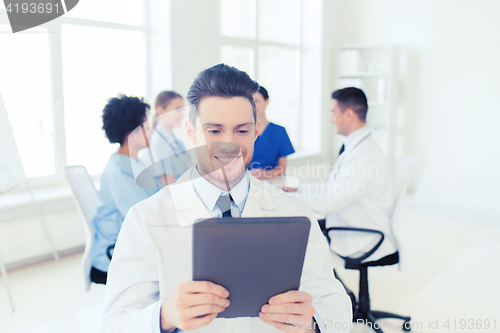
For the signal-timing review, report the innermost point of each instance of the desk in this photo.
(293, 182)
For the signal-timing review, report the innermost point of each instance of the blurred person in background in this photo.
(166, 148)
(272, 145)
(125, 122)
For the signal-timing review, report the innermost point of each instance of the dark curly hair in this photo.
(222, 81)
(122, 115)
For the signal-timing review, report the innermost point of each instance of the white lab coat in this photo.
(153, 254)
(359, 193)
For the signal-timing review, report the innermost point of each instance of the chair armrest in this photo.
(354, 263)
(108, 251)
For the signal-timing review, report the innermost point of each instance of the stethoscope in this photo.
(176, 149)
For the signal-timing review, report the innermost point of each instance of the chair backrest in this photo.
(405, 166)
(87, 201)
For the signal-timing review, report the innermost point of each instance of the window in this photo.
(24, 78)
(56, 79)
(85, 94)
(278, 43)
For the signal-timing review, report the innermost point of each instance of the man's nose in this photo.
(228, 146)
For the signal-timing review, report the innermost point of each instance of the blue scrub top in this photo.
(118, 193)
(270, 146)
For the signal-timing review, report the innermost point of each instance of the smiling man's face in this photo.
(227, 127)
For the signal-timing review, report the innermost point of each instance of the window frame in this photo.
(301, 155)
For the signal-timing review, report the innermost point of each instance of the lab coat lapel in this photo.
(259, 201)
(186, 203)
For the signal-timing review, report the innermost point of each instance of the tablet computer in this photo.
(253, 258)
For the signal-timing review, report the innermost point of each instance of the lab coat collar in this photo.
(184, 197)
(356, 137)
(209, 193)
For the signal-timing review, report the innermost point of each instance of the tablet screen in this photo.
(254, 258)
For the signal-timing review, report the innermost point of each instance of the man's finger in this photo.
(279, 317)
(286, 308)
(290, 327)
(194, 323)
(200, 310)
(203, 287)
(189, 300)
(292, 296)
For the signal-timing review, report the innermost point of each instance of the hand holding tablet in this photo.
(193, 304)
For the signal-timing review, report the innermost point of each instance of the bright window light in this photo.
(237, 18)
(239, 57)
(116, 11)
(98, 64)
(278, 72)
(26, 90)
(279, 21)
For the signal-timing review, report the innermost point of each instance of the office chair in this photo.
(87, 201)
(362, 310)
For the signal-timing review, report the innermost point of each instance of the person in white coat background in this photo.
(150, 287)
(359, 191)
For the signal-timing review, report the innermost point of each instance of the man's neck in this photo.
(263, 122)
(167, 126)
(225, 186)
(355, 127)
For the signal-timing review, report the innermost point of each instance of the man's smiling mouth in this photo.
(226, 159)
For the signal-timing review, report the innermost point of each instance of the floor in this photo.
(447, 283)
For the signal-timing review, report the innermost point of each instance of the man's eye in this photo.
(213, 131)
(243, 131)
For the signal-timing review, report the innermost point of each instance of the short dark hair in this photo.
(353, 98)
(264, 93)
(122, 115)
(222, 81)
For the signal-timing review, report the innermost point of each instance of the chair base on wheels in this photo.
(363, 312)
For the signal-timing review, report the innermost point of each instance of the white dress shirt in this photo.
(359, 193)
(153, 254)
(209, 194)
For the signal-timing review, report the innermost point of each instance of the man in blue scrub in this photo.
(124, 122)
(272, 145)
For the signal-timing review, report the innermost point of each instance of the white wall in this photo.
(449, 91)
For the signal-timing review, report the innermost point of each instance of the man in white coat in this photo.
(359, 191)
(150, 287)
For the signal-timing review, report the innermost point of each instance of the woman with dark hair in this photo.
(272, 145)
(124, 122)
(165, 146)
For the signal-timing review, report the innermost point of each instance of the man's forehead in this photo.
(237, 109)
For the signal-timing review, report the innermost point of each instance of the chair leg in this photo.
(382, 314)
(371, 319)
(364, 312)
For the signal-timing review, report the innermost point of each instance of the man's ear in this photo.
(190, 131)
(350, 113)
(257, 128)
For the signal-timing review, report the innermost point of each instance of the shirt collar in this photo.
(355, 137)
(209, 193)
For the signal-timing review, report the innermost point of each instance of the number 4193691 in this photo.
(40, 8)
(471, 324)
